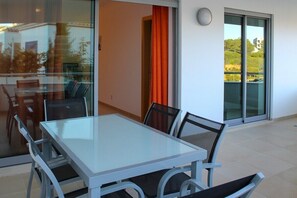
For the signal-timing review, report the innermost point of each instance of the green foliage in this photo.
(255, 61)
(4, 63)
(21, 62)
(233, 45)
(232, 58)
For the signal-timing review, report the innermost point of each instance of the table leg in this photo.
(94, 192)
(196, 172)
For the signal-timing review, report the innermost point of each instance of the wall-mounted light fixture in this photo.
(204, 16)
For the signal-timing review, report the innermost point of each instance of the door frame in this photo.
(268, 66)
(145, 63)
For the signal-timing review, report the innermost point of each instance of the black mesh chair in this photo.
(199, 131)
(27, 104)
(206, 134)
(116, 190)
(59, 165)
(65, 108)
(11, 112)
(162, 117)
(240, 188)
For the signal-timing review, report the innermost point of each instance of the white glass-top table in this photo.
(110, 148)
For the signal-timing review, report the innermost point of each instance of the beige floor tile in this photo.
(11, 184)
(289, 175)
(15, 195)
(269, 165)
(235, 170)
(259, 145)
(256, 194)
(292, 148)
(279, 140)
(234, 152)
(283, 154)
(235, 137)
(275, 187)
(15, 170)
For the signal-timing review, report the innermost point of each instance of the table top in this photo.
(102, 145)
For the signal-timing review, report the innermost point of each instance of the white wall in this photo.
(120, 56)
(202, 56)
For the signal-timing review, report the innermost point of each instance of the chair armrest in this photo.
(41, 141)
(191, 182)
(37, 142)
(211, 165)
(121, 186)
(57, 161)
(165, 178)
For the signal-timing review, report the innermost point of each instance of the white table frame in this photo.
(94, 181)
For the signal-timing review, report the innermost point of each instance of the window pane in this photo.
(49, 42)
(233, 68)
(255, 104)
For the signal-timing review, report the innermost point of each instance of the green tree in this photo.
(233, 45)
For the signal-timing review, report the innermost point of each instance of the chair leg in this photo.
(210, 177)
(30, 180)
(7, 120)
(10, 128)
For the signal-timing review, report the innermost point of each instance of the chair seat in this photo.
(149, 182)
(62, 173)
(242, 187)
(118, 194)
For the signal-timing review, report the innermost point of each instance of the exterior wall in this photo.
(202, 56)
(40, 34)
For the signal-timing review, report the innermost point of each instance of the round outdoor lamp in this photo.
(204, 16)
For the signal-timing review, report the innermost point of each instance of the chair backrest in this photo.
(81, 90)
(240, 188)
(202, 132)
(65, 108)
(27, 83)
(40, 160)
(23, 129)
(162, 117)
(69, 88)
(10, 102)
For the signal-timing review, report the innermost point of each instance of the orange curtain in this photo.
(159, 75)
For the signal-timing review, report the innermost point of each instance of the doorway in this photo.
(125, 57)
(246, 68)
(146, 63)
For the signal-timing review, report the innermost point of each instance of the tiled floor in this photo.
(268, 146)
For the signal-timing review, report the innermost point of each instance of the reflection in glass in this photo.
(255, 104)
(233, 68)
(50, 41)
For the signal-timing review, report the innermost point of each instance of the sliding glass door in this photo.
(46, 52)
(246, 68)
